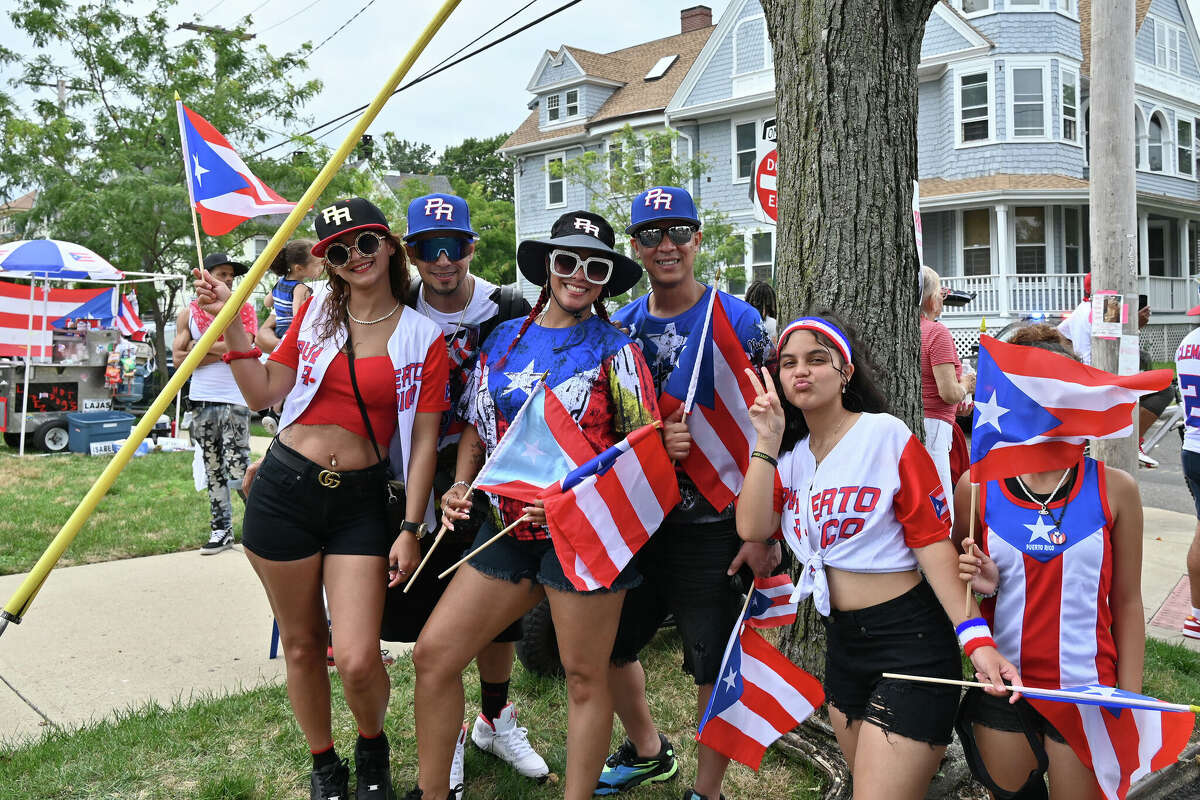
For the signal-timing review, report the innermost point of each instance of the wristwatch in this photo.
(418, 529)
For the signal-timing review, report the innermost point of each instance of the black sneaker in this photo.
(625, 769)
(414, 794)
(331, 782)
(217, 541)
(373, 774)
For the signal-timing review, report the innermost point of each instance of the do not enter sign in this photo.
(765, 182)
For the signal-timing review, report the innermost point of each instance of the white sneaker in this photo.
(509, 743)
(456, 765)
(1146, 461)
(270, 424)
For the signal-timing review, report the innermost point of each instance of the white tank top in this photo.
(213, 383)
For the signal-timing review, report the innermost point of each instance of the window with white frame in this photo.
(1027, 101)
(572, 103)
(1025, 5)
(552, 108)
(1183, 145)
(1196, 146)
(1072, 239)
(977, 242)
(745, 143)
(974, 6)
(974, 107)
(1166, 45)
(761, 260)
(1067, 6)
(1070, 104)
(1156, 247)
(616, 161)
(1154, 143)
(1030, 224)
(555, 182)
(751, 46)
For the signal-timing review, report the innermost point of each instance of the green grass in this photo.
(1172, 674)
(248, 747)
(152, 508)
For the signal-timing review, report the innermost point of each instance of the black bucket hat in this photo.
(214, 260)
(579, 230)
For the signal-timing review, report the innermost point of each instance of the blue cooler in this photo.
(90, 427)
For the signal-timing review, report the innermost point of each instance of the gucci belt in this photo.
(329, 479)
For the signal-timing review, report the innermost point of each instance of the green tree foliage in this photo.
(476, 161)
(401, 155)
(108, 164)
(635, 161)
(493, 219)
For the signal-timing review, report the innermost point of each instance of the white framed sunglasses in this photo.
(596, 269)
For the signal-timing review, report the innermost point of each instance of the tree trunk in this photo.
(846, 95)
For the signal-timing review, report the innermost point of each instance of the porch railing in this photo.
(1057, 293)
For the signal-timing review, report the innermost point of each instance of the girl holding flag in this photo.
(859, 501)
(1059, 559)
(593, 371)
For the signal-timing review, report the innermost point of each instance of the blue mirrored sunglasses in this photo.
(455, 247)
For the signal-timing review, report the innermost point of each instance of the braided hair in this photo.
(538, 307)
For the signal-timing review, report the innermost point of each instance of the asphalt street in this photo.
(1164, 487)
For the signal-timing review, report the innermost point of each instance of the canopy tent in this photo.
(49, 261)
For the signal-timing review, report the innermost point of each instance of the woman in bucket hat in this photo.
(597, 373)
(365, 381)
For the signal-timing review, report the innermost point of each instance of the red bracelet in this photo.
(976, 643)
(234, 355)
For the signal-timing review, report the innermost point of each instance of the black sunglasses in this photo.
(679, 234)
(337, 255)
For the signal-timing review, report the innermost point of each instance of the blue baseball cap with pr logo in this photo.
(439, 213)
(662, 204)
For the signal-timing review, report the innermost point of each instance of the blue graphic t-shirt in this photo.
(594, 370)
(662, 340)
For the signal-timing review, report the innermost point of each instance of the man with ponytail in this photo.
(690, 565)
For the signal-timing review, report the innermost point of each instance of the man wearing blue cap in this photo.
(441, 243)
(691, 562)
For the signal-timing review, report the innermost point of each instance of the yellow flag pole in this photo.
(21, 599)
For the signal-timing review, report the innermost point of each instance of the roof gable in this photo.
(1085, 28)
(947, 33)
(554, 67)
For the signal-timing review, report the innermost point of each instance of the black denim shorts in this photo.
(516, 560)
(1191, 476)
(981, 708)
(297, 508)
(684, 567)
(909, 634)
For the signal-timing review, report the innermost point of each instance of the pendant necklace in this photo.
(1045, 505)
(353, 318)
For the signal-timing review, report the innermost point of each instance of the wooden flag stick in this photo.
(436, 541)
(484, 546)
(1033, 691)
(971, 536)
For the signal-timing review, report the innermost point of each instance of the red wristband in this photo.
(234, 355)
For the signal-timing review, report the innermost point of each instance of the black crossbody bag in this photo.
(394, 501)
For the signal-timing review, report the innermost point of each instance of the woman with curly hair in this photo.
(365, 381)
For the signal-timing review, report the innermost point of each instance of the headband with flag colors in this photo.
(1035, 410)
(602, 513)
(711, 384)
(222, 188)
(823, 327)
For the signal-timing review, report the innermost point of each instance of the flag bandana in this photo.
(1034, 409)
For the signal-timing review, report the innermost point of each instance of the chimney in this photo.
(695, 18)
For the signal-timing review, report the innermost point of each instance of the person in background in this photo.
(761, 296)
(220, 418)
(1187, 369)
(294, 264)
(1077, 327)
(943, 386)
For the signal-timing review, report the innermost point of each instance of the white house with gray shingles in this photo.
(1002, 144)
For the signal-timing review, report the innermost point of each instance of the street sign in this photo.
(763, 192)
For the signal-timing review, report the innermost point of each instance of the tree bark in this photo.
(846, 95)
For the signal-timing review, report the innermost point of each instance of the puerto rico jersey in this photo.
(1187, 366)
(594, 370)
(874, 498)
(662, 339)
(1051, 616)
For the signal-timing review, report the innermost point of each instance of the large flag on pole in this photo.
(1116, 734)
(50, 309)
(602, 513)
(1035, 410)
(710, 383)
(222, 188)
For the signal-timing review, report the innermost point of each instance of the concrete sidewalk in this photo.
(106, 637)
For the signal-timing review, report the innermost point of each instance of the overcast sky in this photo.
(481, 97)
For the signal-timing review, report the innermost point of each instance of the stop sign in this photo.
(765, 180)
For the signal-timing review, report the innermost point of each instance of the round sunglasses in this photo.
(679, 234)
(337, 255)
(596, 269)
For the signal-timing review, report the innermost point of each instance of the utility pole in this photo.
(1113, 192)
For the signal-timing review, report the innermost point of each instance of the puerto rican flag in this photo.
(1115, 733)
(541, 445)
(602, 513)
(128, 321)
(770, 603)
(222, 188)
(759, 696)
(710, 383)
(51, 308)
(1035, 410)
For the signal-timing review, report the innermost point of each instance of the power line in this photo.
(288, 19)
(214, 8)
(341, 28)
(445, 66)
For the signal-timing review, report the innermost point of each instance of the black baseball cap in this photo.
(354, 214)
(214, 260)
